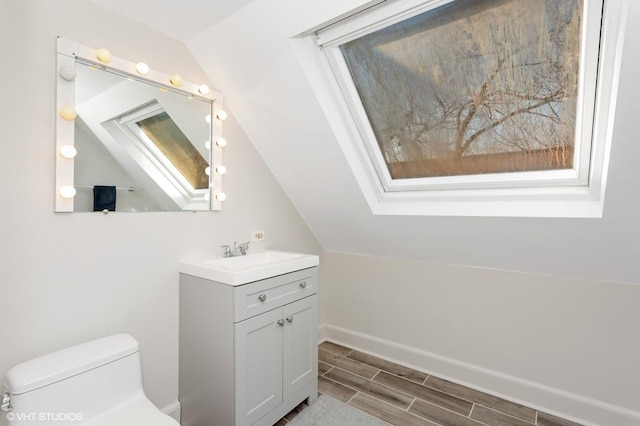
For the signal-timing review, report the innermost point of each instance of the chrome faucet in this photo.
(238, 249)
(243, 247)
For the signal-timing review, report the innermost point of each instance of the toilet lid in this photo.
(141, 417)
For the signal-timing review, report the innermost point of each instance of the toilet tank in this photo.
(76, 384)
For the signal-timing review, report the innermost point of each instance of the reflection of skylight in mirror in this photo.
(168, 161)
(177, 148)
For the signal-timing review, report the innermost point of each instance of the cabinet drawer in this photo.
(261, 296)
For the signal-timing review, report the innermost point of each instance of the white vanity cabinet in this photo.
(248, 353)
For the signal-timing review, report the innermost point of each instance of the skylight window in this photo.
(472, 87)
(477, 107)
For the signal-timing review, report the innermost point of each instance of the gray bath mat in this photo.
(328, 411)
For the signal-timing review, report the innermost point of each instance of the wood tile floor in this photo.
(402, 396)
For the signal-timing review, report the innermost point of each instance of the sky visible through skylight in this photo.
(475, 86)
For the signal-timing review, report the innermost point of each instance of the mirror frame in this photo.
(68, 53)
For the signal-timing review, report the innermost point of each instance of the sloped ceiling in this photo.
(250, 55)
(180, 20)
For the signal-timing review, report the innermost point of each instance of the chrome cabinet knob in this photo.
(303, 284)
(262, 297)
(290, 318)
(280, 322)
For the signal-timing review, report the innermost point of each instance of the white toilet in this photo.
(98, 383)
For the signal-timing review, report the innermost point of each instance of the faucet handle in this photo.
(227, 250)
(243, 247)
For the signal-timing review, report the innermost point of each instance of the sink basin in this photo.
(251, 267)
(254, 260)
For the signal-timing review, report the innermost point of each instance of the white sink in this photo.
(251, 267)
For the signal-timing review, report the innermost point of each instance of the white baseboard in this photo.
(322, 333)
(173, 410)
(578, 408)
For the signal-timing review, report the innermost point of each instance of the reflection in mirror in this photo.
(162, 130)
(141, 145)
(152, 140)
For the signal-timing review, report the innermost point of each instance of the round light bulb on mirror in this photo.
(207, 144)
(68, 151)
(221, 170)
(221, 142)
(207, 118)
(68, 73)
(142, 68)
(103, 55)
(203, 89)
(207, 171)
(207, 196)
(221, 115)
(176, 80)
(67, 191)
(221, 196)
(68, 112)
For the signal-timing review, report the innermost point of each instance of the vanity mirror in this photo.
(129, 138)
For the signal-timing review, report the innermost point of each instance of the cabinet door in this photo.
(258, 370)
(300, 350)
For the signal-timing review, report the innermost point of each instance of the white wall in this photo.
(68, 278)
(567, 346)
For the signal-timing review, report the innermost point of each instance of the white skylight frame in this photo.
(155, 163)
(577, 192)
